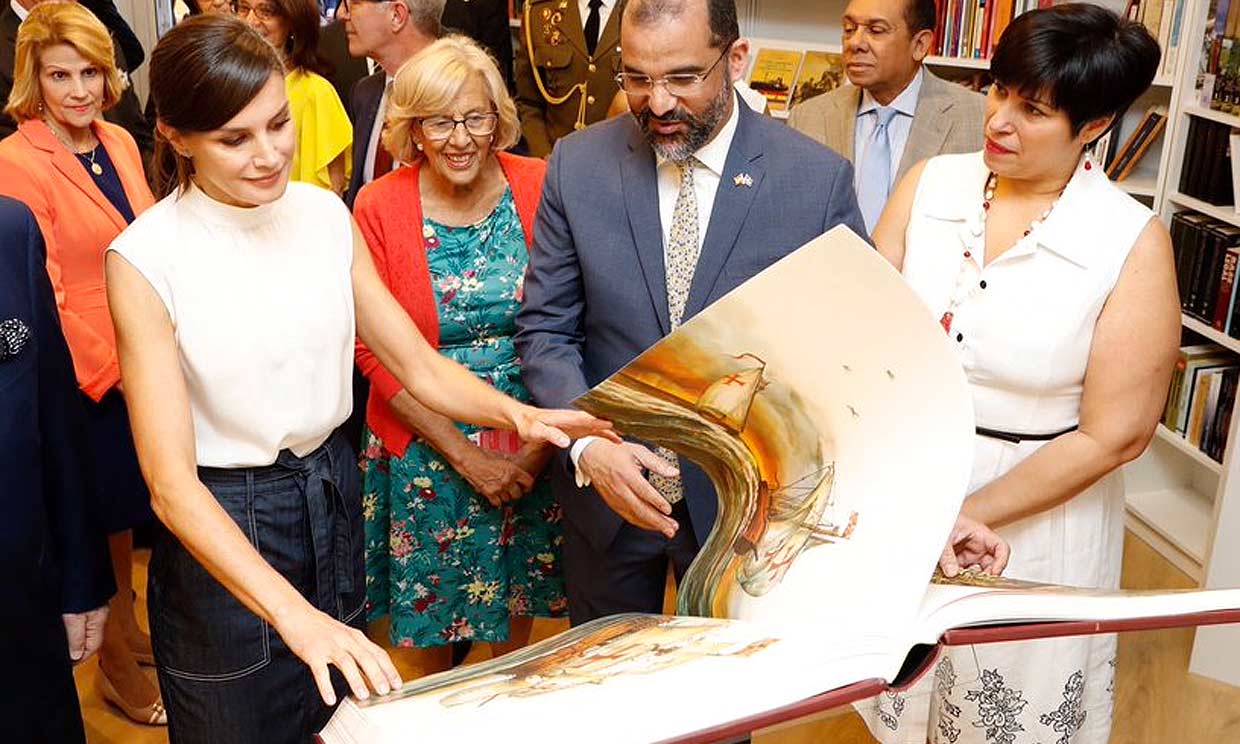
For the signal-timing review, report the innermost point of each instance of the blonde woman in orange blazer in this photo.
(82, 177)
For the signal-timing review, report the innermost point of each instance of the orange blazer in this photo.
(78, 223)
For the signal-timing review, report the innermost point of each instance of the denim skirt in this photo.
(226, 675)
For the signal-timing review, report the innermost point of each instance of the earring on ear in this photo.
(419, 146)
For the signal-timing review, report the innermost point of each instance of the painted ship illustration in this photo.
(786, 519)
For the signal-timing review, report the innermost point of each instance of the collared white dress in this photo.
(1023, 326)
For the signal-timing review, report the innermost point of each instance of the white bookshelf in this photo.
(1182, 502)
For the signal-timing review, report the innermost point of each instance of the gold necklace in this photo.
(95, 168)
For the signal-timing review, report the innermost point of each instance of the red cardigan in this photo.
(389, 213)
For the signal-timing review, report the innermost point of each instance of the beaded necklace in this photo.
(988, 195)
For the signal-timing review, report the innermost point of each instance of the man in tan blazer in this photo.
(565, 67)
(895, 113)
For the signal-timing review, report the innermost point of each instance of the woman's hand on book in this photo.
(559, 426)
(973, 544)
(321, 641)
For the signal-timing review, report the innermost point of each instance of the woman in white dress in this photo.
(1059, 293)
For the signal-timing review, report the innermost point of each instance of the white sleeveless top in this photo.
(1024, 340)
(261, 301)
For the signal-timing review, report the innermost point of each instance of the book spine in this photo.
(1226, 287)
(1197, 406)
(1171, 410)
(1227, 404)
(1198, 254)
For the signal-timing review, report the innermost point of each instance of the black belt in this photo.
(1017, 438)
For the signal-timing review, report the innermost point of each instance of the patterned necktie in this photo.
(383, 158)
(680, 261)
(874, 181)
(591, 27)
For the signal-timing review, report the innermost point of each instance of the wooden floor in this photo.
(1157, 701)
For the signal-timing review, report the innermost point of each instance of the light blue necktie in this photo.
(874, 182)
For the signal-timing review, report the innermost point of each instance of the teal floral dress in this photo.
(444, 563)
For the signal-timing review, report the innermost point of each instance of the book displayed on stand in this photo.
(1134, 148)
(840, 468)
(1207, 169)
(774, 73)
(820, 72)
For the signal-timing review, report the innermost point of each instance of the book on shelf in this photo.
(1201, 397)
(1233, 140)
(840, 467)
(1134, 148)
(774, 74)
(1206, 253)
(1207, 172)
(820, 72)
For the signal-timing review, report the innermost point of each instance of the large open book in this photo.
(832, 415)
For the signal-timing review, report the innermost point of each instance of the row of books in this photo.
(1164, 19)
(1207, 172)
(1203, 391)
(1219, 71)
(1207, 253)
(971, 28)
(787, 77)
(1120, 160)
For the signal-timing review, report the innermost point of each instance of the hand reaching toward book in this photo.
(320, 641)
(559, 426)
(974, 544)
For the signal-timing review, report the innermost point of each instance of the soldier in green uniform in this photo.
(565, 67)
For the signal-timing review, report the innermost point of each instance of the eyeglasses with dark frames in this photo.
(478, 124)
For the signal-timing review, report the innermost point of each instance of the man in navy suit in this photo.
(57, 575)
(645, 220)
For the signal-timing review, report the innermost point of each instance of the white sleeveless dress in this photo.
(1023, 326)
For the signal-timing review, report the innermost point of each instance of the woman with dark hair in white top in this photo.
(236, 299)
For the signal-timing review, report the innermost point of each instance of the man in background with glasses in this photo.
(645, 220)
(389, 32)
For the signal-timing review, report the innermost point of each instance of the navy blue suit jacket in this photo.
(50, 547)
(363, 108)
(596, 292)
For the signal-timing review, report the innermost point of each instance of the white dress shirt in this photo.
(604, 12)
(368, 172)
(706, 177)
(897, 130)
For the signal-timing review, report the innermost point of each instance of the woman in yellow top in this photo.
(324, 135)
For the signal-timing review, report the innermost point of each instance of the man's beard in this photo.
(700, 127)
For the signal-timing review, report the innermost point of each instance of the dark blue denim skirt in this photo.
(226, 675)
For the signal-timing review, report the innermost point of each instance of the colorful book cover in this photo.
(773, 75)
(820, 72)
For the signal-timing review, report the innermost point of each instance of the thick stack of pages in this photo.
(832, 414)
